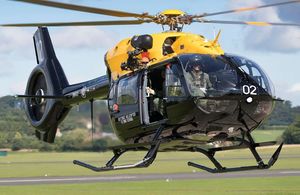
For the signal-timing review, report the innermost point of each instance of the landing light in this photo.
(249, 100)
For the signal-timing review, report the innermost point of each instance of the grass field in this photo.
(284, 185)
(60, 164)
(28, 164)
(266, 135)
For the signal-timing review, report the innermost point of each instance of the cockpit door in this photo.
(126, 109)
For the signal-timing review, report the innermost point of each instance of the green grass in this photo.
(266, 135)
(18, 164)
(282, 185)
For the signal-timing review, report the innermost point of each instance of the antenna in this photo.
(214, 32)
(216, 39)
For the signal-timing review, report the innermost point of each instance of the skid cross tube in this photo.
(147, 160)
(250, 144)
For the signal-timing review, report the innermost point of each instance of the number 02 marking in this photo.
(249, 90)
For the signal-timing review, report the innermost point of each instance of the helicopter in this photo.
(169, 91)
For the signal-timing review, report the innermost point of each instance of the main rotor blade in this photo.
(257, 23)
(246, 9)
(88, 23)
(86, 9)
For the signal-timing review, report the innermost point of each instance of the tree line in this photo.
(16, 133)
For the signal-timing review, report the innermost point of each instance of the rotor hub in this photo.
(173, 18)
(39, 100)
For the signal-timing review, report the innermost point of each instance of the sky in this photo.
(81, 50)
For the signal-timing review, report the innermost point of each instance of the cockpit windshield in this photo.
(208, 75)
(254, 71)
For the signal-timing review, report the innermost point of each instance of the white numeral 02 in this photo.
(249, 90)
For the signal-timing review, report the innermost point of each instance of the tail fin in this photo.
(47, 78)
(49, 95)
(45, 55)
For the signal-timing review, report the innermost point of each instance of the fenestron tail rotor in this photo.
(175, 19)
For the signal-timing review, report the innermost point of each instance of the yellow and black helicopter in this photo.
(170, 91)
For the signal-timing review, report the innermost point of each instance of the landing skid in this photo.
(147, 160)
(156, 143)
(250, 144)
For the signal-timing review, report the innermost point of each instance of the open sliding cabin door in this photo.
(153, 105)
(144, 99)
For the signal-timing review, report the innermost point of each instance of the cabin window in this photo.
(167, 45)
(173, 83)
(111, 99)
(127, 91)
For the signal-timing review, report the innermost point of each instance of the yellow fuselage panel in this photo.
(184, 43)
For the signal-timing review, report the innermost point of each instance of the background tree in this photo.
(292, 134)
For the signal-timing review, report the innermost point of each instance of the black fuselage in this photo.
(237, 102)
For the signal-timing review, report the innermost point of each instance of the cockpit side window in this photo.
(255, 72)
(127, 91)
(256, 75)
(111, 99)
(173, 82)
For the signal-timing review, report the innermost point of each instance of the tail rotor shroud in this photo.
(47, 78)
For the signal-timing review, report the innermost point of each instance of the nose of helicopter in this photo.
(227, 89)
(230, 114)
